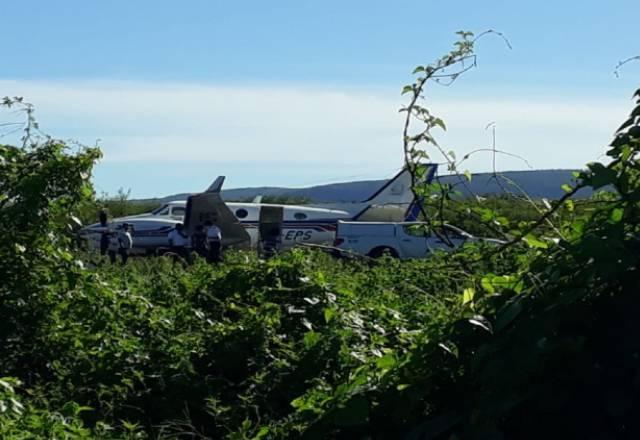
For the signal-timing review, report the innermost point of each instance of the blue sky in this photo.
(299, 92)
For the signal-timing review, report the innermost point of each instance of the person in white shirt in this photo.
(179, 242)
(214, 241)
(120, 242)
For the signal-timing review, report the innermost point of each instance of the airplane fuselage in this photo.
(301, 224)
(312, 224)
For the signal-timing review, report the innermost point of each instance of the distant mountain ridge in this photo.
(536, 183)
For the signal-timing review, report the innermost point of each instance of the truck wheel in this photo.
(382, 250)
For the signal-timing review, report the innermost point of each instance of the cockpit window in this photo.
(178, 211)
(163, 210)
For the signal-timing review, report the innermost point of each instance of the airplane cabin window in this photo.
(178, 211)
(300, 216)
(241, 213)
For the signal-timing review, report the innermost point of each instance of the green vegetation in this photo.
(120, 205)
(536, 339)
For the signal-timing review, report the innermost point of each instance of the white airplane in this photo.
(239, 221)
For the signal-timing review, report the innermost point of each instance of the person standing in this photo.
(113, 246)
(271, 242)
(214, 242)
(121, 243)
(104, 235)
(178, 242)
(199, 241)
(126, 241)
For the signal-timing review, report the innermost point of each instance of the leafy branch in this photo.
(444, 71)
(30, 124)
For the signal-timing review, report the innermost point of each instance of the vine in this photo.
(419, 146)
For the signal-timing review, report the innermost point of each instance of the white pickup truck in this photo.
(400, 240)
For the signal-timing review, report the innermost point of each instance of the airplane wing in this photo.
(210, 206)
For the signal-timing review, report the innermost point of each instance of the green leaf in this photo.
(440, 123)
(534, 242)
(263, 432)
(6, 385)
(86, 191)
(468, 295)
(628, 123)
(329, 313)
(487, 285)
(311, 338)
(566, 188)
(386, 362)
(467, 174)
(616, 215)
(600, 175)
(16, 406)
(570, 205)
(418, 69)
(407, 89)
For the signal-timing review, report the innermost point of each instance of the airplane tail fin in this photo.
(394, 197)
(216, 186)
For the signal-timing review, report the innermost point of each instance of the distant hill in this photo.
(538, 184)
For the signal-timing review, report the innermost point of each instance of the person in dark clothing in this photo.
(104, 236)
(199, 241)
(103, 217)
(271, 242)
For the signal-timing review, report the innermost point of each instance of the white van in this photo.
(400, 240)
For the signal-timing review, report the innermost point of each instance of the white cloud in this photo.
(176, 123)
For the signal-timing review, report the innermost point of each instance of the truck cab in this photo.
(402, 240)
